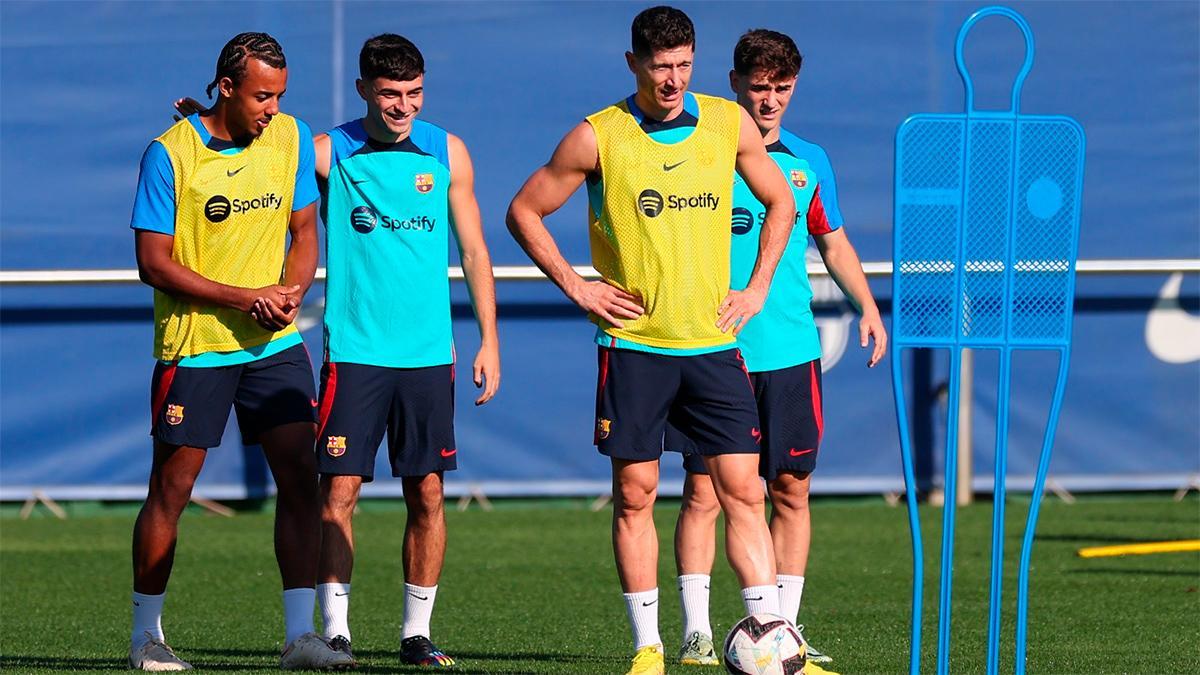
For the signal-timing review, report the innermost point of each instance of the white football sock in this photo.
(790, 589)
(298, 606)
(418, 608)
(147, 617)
(334, 599)
(693, 597)
(643, 617)
(761, 599)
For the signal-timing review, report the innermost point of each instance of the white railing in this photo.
(531, 273)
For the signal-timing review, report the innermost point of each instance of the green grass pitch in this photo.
(531, 588)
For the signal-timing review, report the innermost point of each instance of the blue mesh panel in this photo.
(1047, 210)
(986, 230)
(985, 241)
(927, 197)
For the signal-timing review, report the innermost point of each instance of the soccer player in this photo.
(395, 187)
(659, 169)
(781, 346)
(217, 197)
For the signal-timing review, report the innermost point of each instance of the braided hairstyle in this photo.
(232, 62)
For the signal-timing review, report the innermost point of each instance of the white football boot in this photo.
(312, 652)
(155, 656)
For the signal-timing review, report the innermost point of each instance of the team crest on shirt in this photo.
(799, 178)
(423, 182)
(174, 414)
(336, 447)
(603, 428)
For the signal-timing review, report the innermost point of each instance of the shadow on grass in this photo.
(19, 663)
(1139, 572)
(370, 661)
(1100, 538)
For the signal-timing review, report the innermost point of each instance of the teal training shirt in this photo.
(784, 333)
(387, 219)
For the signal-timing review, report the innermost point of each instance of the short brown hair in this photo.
(767, 50)
(660, 28)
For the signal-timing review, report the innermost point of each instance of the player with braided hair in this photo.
(244, 46)
(218, 196)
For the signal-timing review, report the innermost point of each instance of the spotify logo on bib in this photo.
(217, 208)
(650, 203)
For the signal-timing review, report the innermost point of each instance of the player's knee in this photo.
(424, 495)
(170, 491)
(790, 492)
(338, 497)
(634, 497)
(743, 496)
(701, 504)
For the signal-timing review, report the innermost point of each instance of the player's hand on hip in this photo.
(187, 106)
(486, 371)
(737, 308)
(607, 302)
(871, 326)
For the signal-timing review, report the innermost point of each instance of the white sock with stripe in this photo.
(643, 617)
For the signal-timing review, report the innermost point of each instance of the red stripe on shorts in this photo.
(745, 370)
(601, 380)
(327, 400)
(816, 399)
(160, 393)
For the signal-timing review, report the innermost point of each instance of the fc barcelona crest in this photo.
(424, 182)
(799, 178)
(603, 428)
(174, 414)
(336, 447)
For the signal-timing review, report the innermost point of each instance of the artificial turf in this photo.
(531, 588)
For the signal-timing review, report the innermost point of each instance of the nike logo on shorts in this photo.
(756, 434)
(797, 453)
(449, 453)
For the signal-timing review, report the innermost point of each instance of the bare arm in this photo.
(768, 185)
(544, 193)
(299, 268)
(844, 266)
(477, 267)
(156, 268)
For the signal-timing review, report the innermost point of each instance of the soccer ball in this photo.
(764, 644)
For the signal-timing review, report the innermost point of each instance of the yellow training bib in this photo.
(231, 223)
(663, 229)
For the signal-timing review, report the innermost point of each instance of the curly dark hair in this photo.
(767, 50)
(232, 62)
(660, 28)
(391, 56)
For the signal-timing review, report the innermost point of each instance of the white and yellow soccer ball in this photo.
(764, 644)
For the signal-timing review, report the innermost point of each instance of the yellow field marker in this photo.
(1140, 549)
